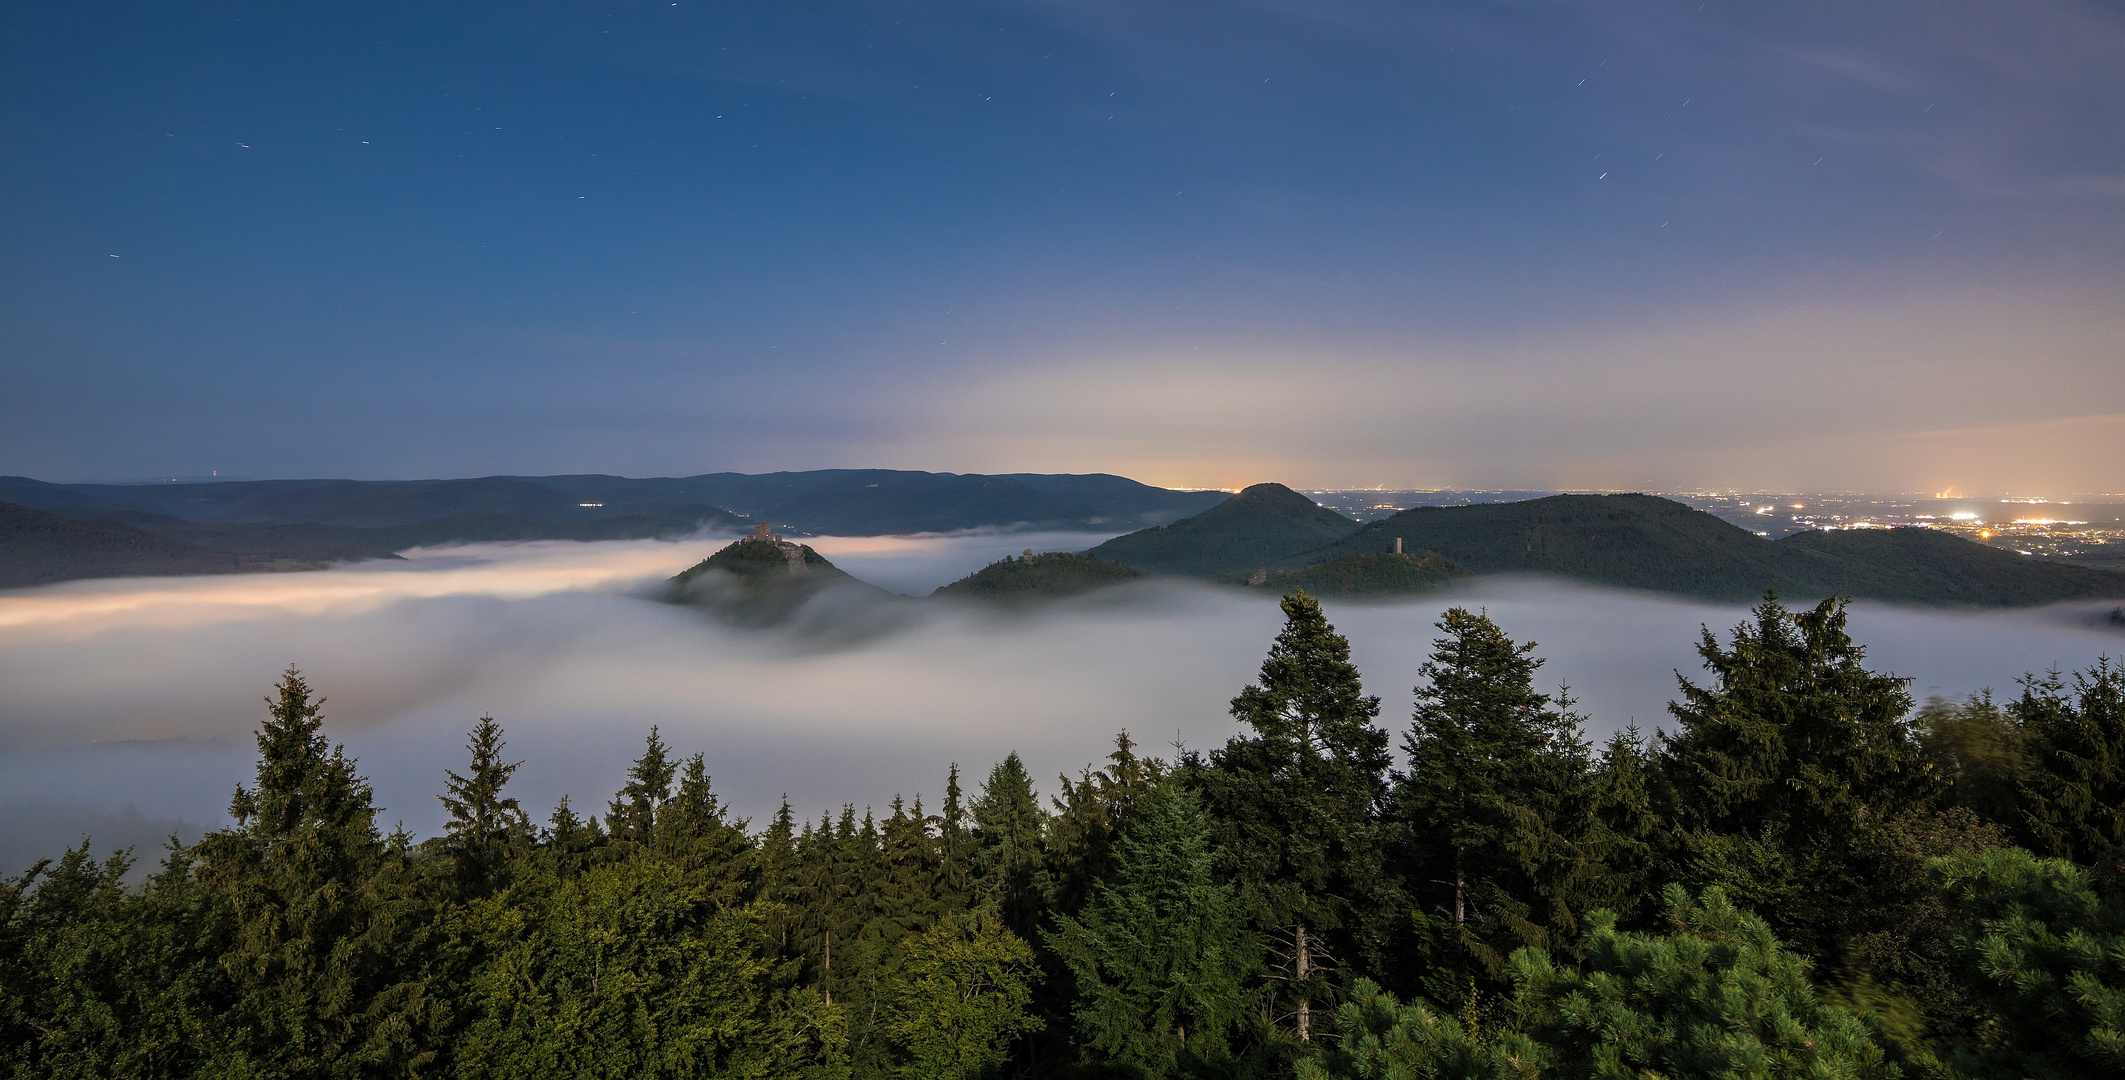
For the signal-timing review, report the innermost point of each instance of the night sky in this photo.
(1800, 245)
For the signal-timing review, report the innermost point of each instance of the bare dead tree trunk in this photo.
(1304, 967)
(828, 974)
(1460, 890)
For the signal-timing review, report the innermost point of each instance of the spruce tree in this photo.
(1159, 957)
(632, 815)
(1090, 814)
(955, 847)
(1294, 807)
(317, 908)
(484, 825)
(1496, 809)
(2073, 781)
(1784, 762)
(1009, 856)
(696, 833)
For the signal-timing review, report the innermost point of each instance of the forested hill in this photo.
(1253, 529)
(759, 582)
(1646, 542)
(1032, 577)
(37, 548)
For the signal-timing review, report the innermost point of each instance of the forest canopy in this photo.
(1809, 874)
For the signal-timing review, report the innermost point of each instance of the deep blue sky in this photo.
(1805, 244)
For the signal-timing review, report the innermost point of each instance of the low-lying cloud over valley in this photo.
(130, 705)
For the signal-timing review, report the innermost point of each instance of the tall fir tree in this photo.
(1784, 762)
(1009, 854)
(631, 817)
(1294, 807)
(695, 832)
(1090, 814)
(1496, 811)
(1158, 956)
(319, 916)
(486, 829)
(2072, 784)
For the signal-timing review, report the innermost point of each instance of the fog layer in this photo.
(130, 705)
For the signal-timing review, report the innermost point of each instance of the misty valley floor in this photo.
(131, 704)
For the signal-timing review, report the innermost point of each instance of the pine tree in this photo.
(2072, 784)
(1294, 808)
(1009, 856)
(484, 826)
(696, 833)
(955, 847)
(318, 912)
(1159, 957)
(1714, 995)
(1090, 814)
(1496, 810)
(572, 842)
(1783, 762)
(960, 999)
(632, 816)
(2044, 944)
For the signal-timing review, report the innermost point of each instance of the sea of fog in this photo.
(129, 706)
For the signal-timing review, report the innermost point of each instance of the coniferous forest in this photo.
(1807, 874)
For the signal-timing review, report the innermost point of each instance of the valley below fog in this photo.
(130, 705)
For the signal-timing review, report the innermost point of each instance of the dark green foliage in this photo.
(1977, 747)
(630, 970)
(37, 547)
(1783, 759)
(759, 582)
(1089, 817)
(1716, 995)
(959, 998)
(320, 912)
(1294, 806)
(1159, 957)
(1258, 527)
(2073, 790)
(1646, 542)
(1039, 577)
(1369, 573)
(1497, 814)
(1201, 919)
(1009, 859)
(487, 830)
(2046, 948)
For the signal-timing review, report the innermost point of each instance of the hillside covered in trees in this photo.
(1272, 535)
(1030, 577)
(1253, 529)
(1809, 877)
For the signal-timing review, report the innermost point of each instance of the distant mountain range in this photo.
(298, 524)
(1267, 536)
(1629, 541)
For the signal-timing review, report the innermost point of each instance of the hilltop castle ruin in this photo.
(766, 534)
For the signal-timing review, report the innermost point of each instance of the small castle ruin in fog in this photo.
(765, 533)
